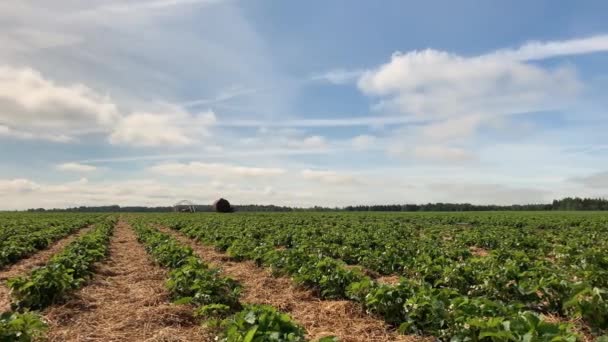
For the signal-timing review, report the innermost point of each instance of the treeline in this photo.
(141, 209)
(569, 203)
(576, 203)
(450, 207)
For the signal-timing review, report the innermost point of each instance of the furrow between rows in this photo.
(125, 301)
(31, 262)
(340, 318)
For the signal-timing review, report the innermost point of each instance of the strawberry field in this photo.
(308, 276)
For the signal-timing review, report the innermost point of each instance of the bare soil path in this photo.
(125, 301)
(35, 260)
(320, 318)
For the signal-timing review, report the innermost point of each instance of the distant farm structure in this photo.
(184, 206)
(222, 206)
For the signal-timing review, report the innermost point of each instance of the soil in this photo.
(341, 318)
(478, 251)
(389, 280)
(125, 301)
(26, 265)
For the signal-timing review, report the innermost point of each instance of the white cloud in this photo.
(311, 142)
(329, 177)
(542, 50)
(173, 127)
(461, 127)
(457, 94)
(148, 129)
(442, 153)
(18, 185)
(32, 104)
(76, 167)
(435, 84)
(223, 96)
(371, 121)
(338, 76)
(363, 142)
(130, 7)
(8, 132)
(215, 170)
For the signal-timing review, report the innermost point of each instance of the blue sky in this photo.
(301, 103)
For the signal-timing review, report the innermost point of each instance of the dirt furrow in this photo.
(125, 301)
(35, 260)
(320, 318)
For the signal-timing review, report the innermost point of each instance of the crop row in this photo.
(44, 286)
(215, 297)
(450, 294)
(66, 271)
(21, 236)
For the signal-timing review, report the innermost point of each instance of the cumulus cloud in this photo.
(363, 142)
(437, 84)
(8, 132)
(315, 141)
(76, 167)
(30, 103)
(148, 129)
(216, 170)
(173, 127)
(459, 94)
(33, 107)
(329, 177)
(17, 186)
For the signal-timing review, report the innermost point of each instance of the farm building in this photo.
(184, 206)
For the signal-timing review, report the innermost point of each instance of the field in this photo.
(525, 276)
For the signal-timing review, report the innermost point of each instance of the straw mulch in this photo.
(320, 318)
(125, 301)
(26, 265)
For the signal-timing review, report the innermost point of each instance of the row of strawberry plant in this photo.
(66, 271)
(22, 236)
(216, 298)
(541, 261)
(415, 307)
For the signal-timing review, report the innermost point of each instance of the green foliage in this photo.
(261, 323)
(190, 280)
(66, 271)
(20, 327)
(590, 304)
(24, 233)
(462, 274)
(328, 276)
(213, 311)
(202, 286)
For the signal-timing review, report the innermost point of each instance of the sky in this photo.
(301, 103)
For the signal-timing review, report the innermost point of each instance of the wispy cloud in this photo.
(370, 121)
(133, 6)
(537, 50)
(76, 167)
(215, 170)
(338, 76)
(223, 96)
